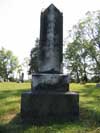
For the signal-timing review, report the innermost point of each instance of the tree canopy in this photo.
(8, 64)
(82, 52)
(33, 63)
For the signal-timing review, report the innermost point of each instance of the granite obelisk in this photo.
(50, 98)
(51, 39)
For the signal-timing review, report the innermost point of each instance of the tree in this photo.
(8, 63)
(76, 54)
(91, 32)
(83, 48)
(34, 58)
(75, 57)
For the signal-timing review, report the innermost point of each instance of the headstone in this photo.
(22, 78)
(98, 85)
(50, 98)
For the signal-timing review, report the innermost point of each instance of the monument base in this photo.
(50, 82)
(43, 107)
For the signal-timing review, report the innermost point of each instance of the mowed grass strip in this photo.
(10, 95)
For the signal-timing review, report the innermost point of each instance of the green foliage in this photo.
(34, 58)
(83, 46)
(8, 63)
(10, 121)
(96, 79)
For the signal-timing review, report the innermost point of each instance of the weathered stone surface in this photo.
(51, 40)
(49, 97)
(98, 85)
(41, 107)
(49, 82)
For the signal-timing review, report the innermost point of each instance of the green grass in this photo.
(10, 122)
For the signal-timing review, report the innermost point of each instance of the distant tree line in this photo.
(10, 68)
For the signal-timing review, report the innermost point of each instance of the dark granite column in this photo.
(51, 41)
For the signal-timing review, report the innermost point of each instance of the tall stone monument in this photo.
(50, 98)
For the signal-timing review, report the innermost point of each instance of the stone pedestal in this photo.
(43, 107)
(49, 82)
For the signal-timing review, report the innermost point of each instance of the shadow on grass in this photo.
(91, 91)
(10, 93)
(92, 117)
(51, 126)
(89, 119)
(14, 126)
(88, 88)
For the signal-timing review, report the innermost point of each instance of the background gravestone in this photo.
(50, 98)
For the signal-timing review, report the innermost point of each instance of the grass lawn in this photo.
(10, 122)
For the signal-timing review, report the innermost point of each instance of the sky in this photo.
(20, 21)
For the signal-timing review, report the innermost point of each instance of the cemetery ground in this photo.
(10, 121)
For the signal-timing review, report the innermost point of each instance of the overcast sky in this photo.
(20, 20)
